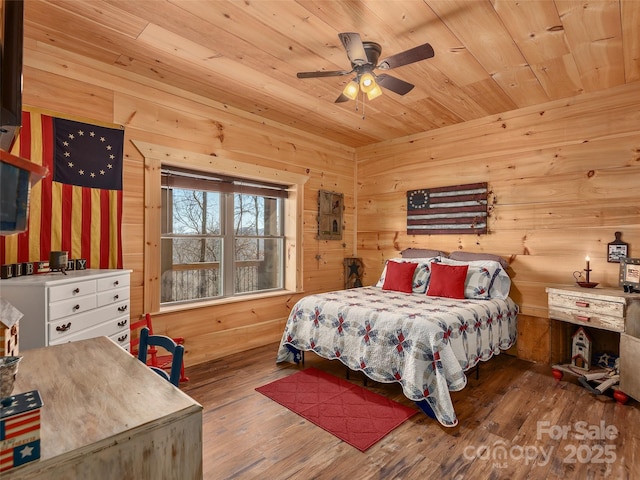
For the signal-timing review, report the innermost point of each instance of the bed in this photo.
(418, 336)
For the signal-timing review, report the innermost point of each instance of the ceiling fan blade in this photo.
(342, 98)
(394, 84)
(353, 45)
(323, 73)
(415, 54)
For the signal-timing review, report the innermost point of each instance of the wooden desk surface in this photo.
(95, 394)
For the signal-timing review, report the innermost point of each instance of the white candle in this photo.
(587, 270)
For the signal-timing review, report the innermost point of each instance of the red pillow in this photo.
(399, 276)
(447, 280)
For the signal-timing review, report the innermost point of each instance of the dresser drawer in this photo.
(72, 306)
(122, 339)
(116, 281)
(589, 319)
(71, 290)
(71, 325)
(587, 310)
(106, 329)
(112, 296)
(586, 304)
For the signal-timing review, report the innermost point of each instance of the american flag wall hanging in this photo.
(78, 207)
(457, 209)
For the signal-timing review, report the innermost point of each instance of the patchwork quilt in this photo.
(423, 343)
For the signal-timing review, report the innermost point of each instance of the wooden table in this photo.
(106, 415)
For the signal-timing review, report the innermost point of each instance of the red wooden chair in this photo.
(154, 359)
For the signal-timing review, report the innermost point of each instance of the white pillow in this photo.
(485, 279)
(420, 277)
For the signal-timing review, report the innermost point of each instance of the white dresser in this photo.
(62, 308)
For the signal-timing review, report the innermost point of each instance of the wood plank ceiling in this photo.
(491, 56)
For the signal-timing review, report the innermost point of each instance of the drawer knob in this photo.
(116, 283)
(115, 297)
(76, 291)
(583, 318)
(76, 307)
(63, 328)
(123, 337)
(582, 304)
(122, 323)
(122, 308)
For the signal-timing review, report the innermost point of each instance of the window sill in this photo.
(224, 301)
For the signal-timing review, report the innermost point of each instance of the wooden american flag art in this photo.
(458, 209)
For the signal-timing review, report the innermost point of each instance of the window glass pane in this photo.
(258, 264)
(255, 215)
(198, 226)
(191, 212)
(190, 269)
(185, 250)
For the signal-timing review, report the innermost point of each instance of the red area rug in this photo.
(352, 413)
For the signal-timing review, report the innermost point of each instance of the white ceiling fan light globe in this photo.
(375, 92)
(351, 90)
(367, 82)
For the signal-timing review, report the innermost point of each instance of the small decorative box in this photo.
(20, 430)
(6, 271)
(41, 267)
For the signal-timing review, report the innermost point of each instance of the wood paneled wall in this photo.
(563, 178)
(162, 115)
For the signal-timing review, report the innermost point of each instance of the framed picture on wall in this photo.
(330, 208)
(617, 249)
(630, 274)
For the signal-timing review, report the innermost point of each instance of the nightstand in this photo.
(604, 309)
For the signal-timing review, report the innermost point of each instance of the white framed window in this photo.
(220, 236)
(288, 220)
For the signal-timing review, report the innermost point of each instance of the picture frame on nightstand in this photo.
(630, 274)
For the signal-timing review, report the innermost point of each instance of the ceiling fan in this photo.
(364, 59)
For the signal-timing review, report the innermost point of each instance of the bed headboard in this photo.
(457, 255)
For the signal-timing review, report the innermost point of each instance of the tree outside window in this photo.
(218, 242)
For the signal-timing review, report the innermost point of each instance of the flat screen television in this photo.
(12, 37)
(17, 176)
(14, 199)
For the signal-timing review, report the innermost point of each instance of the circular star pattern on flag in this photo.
(418, 199)
(87, 155)
(108, 149)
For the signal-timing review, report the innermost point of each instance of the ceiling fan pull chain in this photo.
(363, 102)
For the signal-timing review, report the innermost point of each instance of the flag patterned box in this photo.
(20, 430)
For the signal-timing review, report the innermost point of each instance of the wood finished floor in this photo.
(247, 435)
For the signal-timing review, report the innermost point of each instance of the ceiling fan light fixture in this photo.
(367, 82)
(351, 90)
(375, 92)
(364, 60)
